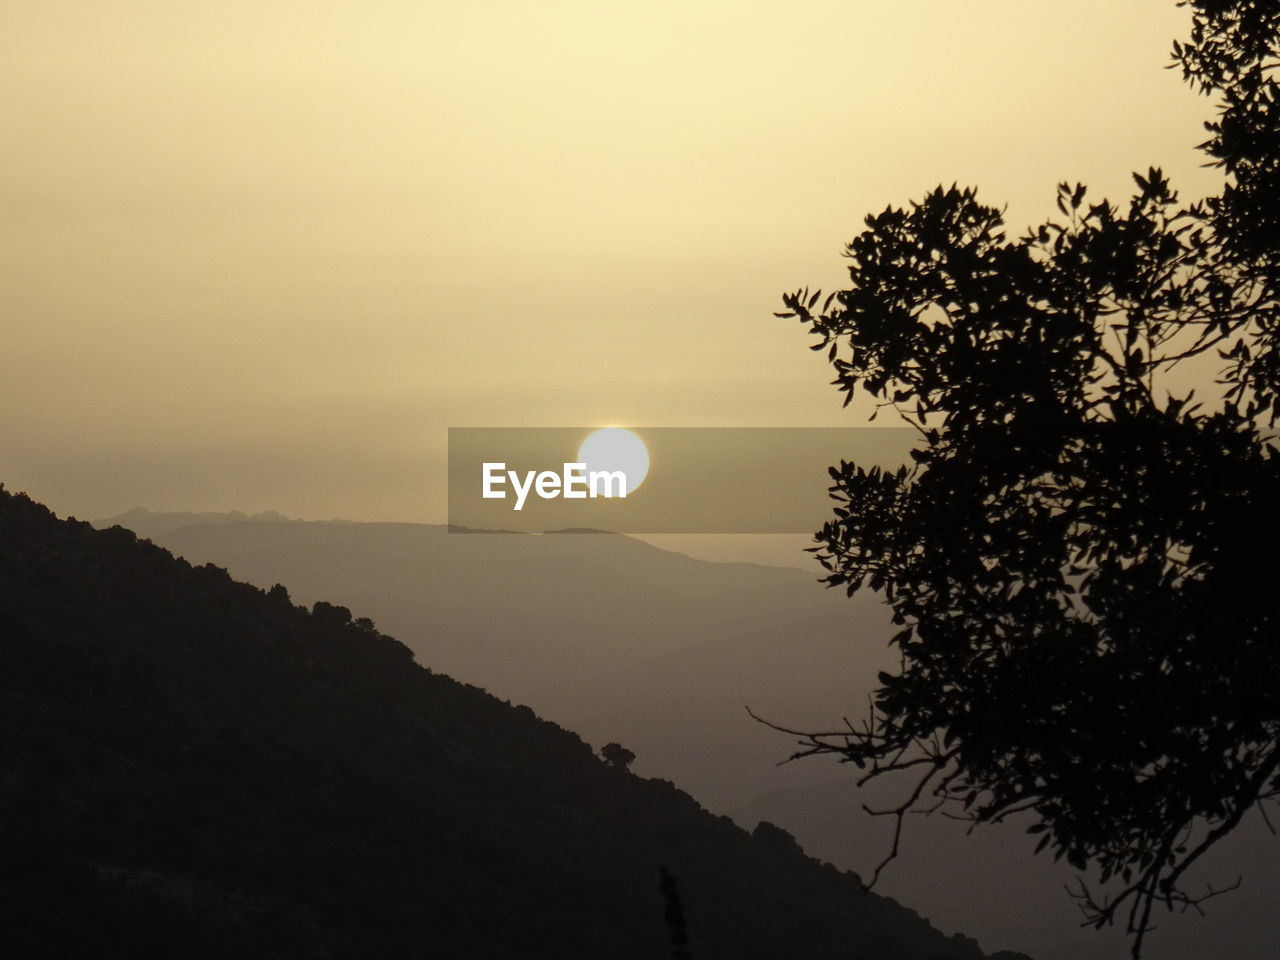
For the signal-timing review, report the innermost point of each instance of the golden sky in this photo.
(262, 255)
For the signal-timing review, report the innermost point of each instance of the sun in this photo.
(616, 448)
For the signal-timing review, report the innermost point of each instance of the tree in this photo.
(616, 755)
(1082, 564)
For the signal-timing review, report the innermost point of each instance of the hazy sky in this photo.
(261, 255)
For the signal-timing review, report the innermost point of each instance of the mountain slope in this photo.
(192, 767)
(602, 633)
(621, 641)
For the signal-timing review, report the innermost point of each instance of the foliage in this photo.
(616, 755)
(1082, 564)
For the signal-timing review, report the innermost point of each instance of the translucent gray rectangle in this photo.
(700, 479)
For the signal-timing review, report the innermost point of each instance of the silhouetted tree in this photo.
(1081, 563)
(673, 913)
(331, 613)
(616, 755)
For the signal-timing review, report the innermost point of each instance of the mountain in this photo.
(193, 767)
(149, 523)
(600, 632)
(619, 640)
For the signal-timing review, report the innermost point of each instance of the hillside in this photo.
(192, 767)
(618, 640)
(602, 633)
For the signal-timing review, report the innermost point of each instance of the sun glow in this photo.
(616, 448)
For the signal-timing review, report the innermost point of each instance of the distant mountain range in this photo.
(194, 767)
(619, 640)
(149, 524)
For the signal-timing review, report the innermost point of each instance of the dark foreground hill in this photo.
(604, 634)
(618, 640)
(191, 767)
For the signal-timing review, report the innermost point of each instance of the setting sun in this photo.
(616, 448)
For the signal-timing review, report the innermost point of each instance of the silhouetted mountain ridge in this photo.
(152, 523)
(618, 639)
(190, 766)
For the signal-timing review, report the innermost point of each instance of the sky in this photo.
(263, 255)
